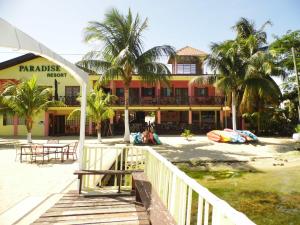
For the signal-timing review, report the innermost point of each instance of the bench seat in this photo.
(158, 213)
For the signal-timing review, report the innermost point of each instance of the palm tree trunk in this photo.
(99, 133)
(29, 128)
(29, 140)
(126, 119)
(233, 108)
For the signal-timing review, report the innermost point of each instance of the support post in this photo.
(222, 119)
(15, 122)
(46, 124)
(90, 127)
(190, 117)
(297, 79)
(216, 119)
(82, 124)
(158, 115)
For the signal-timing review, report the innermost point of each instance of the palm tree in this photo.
(122, 55)
(225, 60)
(260, 90)
(98, 108)
(26, 100)
(233, 62)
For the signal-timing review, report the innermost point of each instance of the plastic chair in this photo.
(72, 150)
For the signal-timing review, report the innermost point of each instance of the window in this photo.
(166, 92)
(186, 68)
(8, 119)
(148, 92)
(120, 92)
(201, 92)
(72, 91)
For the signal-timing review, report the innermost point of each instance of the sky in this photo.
(59, 24)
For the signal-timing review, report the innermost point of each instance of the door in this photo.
(72, 92)
(182, 96)
(59, 125)
(134, 96)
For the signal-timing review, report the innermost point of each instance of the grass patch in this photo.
(263, 207)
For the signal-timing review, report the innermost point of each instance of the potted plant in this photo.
(296, 136)
(187, 134)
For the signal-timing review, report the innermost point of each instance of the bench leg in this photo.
(119, 183)
(80, 183)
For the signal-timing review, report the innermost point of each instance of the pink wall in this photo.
(173, 84)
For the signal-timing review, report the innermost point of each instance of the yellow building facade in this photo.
(178, 106)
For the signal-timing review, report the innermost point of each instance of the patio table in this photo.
(56, 146)
(45, 148)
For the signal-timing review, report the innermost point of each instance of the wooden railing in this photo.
(187, 201)
(97, 157)
(177, 100)
(177, 190)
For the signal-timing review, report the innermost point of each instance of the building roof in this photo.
(189, 51)
(18, 60)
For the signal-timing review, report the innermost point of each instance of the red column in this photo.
(158, 115)
(46, 124)
(15, 122)
(222, 119)
(158, 90)
(190, 117)
(112, 86)
(90, 127)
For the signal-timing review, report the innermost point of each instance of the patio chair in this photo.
(55, 151)
(25, 151)
(38, 151)
(72, 150)
(17, 146)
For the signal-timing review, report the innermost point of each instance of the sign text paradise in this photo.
(51, 70)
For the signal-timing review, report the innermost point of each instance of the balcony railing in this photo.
(150, 101)
(67, 100)
(209, 100)
(186, 200)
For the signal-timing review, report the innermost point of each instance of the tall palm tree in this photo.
(260, 90)
(26, 100)
(122, 55)
(224, 60)
(233, 62)
(98, 108)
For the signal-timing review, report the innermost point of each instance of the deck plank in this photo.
(110, 210)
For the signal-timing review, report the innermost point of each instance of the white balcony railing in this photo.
(187, 201)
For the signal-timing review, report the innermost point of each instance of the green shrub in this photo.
(187, 134)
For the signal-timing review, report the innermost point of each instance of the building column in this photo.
(190, 93)
(112, 86)
(216, 119)
(200, 119)
(157, 94)
(90, 127)
(46, 124)
(15, 122)
(158, 115)
(190, 117)
(243, 124)
(222, 119)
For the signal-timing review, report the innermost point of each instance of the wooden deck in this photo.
(109, 209)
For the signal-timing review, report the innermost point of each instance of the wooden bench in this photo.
(119, 173)
(158, 213)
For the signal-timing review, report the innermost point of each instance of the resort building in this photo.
(176, 106)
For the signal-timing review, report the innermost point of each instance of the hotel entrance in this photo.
(56, 125)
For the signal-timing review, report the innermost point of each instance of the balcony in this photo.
(166, 101)
(67, 100)
(154, 101)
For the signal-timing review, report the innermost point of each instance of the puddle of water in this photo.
(268, 198)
